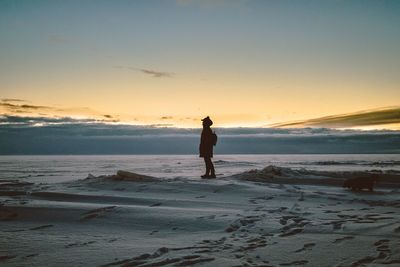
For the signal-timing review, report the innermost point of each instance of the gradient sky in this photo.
(244, 63)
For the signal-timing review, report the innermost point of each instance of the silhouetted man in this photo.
(207, 141)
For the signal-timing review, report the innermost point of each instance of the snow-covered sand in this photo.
(270, 217)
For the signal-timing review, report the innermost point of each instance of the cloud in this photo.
(12, 100)
(153, 73)
(358, 119)
(156, 73)
(93, 123)
(8, 105)
(9, 109)
(166, 118)
(23, 107)
(34, 107)
(42, 135)
(56, 39)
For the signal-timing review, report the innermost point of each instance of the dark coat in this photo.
(206, 143)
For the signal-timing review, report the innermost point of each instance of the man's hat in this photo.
(207, 120)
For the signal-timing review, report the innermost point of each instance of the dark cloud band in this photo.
(41, 135)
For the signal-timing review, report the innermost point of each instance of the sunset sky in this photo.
(244, 63)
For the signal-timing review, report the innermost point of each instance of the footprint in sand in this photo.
(383, 250)
(391, 262)
(367, 209)
(346, 216)
(79, 244)
(348, 210)
(332, 211)
(307, 246)
(253, 244)
(96, 213)
(31, 255)
(247, 221)
(294, 263)
(278, 210)
(338, 240)
(291, 232)
(155, 259)
(194, 261)
(41, 227)
(389, 212)
(284, 219)
(295, 227)
(254, 200)
(377, 217)
(363, 261)
(382, 245)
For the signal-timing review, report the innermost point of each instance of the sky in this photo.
(333, 64)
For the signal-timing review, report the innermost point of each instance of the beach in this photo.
(264, 217)
(208, 133)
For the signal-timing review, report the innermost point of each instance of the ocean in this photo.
(63, 168)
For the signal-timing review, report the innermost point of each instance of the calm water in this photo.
(51, 169)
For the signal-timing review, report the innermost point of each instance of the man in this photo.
(207, 141)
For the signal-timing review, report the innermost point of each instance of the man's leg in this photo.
(212, 168)
(207, 161)
(209, 166)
